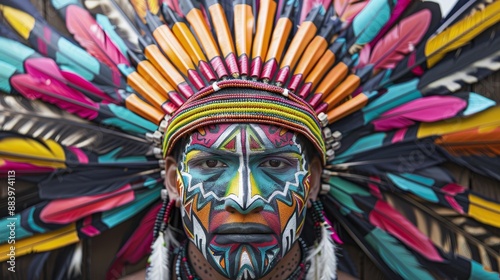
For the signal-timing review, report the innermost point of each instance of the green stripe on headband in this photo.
(244, 102)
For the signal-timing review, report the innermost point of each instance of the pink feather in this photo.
(398, 10)
(308, 5)
(137, 246)
(388, 219)
(427, 109)
(348, 9)
(67, 210)
(91, 36)
(401, 40)
(43, 68)
(35, 85)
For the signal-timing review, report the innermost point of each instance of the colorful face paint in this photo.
(244, 189)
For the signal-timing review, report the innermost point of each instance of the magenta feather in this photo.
(427, 109)
(398, 10)
(387, 218)
(91, 36)
(137, 246)
(36, 85)
(308, 5)
(43, 68)
(400, 41)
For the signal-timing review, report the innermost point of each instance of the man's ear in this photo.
(315, 169)
(171, 179)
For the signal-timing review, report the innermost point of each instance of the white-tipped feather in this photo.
(75, 267)
(322, 258)
(159, 267)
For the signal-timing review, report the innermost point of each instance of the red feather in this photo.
(91, 36)
(137, 246)
(388, 219)
(401, 40)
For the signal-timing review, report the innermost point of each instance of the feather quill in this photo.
(158, 266)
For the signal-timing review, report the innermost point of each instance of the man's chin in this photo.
(251, 260)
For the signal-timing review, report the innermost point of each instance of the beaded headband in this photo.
(244, 102)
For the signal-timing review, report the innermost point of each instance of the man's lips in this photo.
(243, 233)
(243, 228)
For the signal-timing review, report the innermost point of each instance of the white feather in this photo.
(159, 267)
(75, 267)
(322, 258)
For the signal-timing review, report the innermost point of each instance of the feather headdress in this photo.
(376, 86)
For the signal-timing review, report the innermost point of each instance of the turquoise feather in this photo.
(368, 23)
(396, 256)
(14, 53)
(421, 186)
(396, 95)
(477, 103)
(343, 190)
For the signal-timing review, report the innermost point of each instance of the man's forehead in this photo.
(253, 137)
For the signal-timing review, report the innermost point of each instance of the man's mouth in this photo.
(243, 233)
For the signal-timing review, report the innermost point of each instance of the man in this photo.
(243, 190)
(244, 187)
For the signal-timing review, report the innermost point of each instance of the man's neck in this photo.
(284, 268)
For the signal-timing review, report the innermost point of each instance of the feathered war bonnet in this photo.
(373, 85)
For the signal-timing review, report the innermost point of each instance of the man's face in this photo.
(244, 191)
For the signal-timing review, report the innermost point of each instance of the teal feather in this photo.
(134, 123)
(368, 23)
(110, 30)
(366, 143)
(477, 103)
(478, 272)
(120, 214)
(396, 256)
(14, 53)
(396, 95)
(6, 71)
(418, 185)
(343, 190)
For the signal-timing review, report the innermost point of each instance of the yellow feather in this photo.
(484, 211)
(41, 242)
(461, 33)
(484, 119)
(22, 22)
(26, 149)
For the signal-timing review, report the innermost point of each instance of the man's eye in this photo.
(213, 163)
(274, 163)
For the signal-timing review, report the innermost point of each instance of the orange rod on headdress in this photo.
(139, 84)
(307, 31)
(278, 42)
(243, 30)
(224, 36)
(141, 108)
(173, 49)
(166, 68)
(263, 30)
(348, 86)
(331, 80)
(195, 18)
(188, 41)
(326, 61)
(155, 79)
(314, 51)
(343, 110)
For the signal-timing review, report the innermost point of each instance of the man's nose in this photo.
(234, 207)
